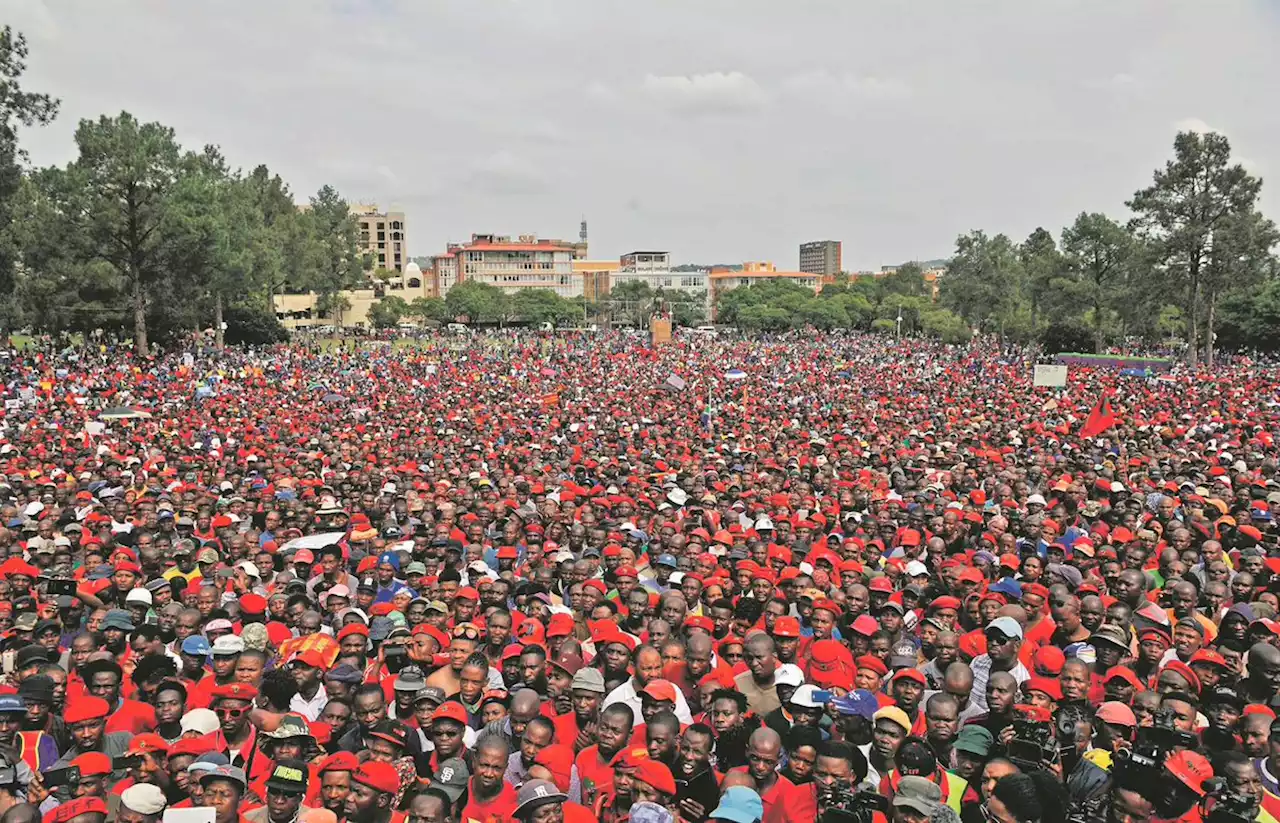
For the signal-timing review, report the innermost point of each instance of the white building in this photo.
(526, 263)
(654, 268)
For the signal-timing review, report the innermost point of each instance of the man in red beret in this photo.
(86, 719)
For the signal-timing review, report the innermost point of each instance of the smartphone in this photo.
(69, 776)
(125, 762)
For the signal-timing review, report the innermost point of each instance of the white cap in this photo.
(249, 569)
(803, 696)
(915, 568)
(138, 596)
(1036, 498)
(788, 674)
(228, 644)
(203, 721)
(1116, 487)
(144, 798)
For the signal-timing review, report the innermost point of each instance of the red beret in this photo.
(74, 808)
(380, 776)
(85, 708)
(233, 691)
(253, 604)
(875, 664)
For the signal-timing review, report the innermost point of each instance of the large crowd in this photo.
(584, 579)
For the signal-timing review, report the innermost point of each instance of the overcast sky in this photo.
(722, 130)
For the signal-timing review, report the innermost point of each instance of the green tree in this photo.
(822, 314)
(907, 279)
(428, 309)
(477, 302)
(116, 203)
(1041, 264)
(1195, 197)
(630, 301)
(1239, 257)
(334, 305)
(983, 280)
(538, 306)
(1097, 252)
(17, 108)
(331, 248)
(388, 311)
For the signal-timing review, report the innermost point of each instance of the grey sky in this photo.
(723, 130)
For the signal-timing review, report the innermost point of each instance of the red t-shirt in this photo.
(132, 717)
(566, 726)
(498, 810)
(596, 775)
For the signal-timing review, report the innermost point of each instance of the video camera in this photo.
(1228, 806)
(1033, 742)
(1142, 766)
(844, 804)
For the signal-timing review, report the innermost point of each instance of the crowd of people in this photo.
(586, 580)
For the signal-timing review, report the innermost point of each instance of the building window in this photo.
(381, 226)
(395, 224)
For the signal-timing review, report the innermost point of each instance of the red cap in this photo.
(1048, 661)
(560, 625)
(467, 593)
(786, 627)
(1126, 674)
(97, 763)
(1191, 768)
(313, 658)
(339, 762)
(253, 604)
(380, 776)
(880, 584)
(1044, 684)
(911, 674)
(625, 571)
(451, 710)
(147, 744)
(660, 690)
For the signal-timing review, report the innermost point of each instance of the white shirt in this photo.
(981, 668)
(312, 708)
(626, 693)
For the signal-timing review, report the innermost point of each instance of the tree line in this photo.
(140, 237)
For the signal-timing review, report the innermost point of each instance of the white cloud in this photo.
(706, 93)
(1195, 124)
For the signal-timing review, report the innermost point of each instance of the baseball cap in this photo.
(451, 778)
(861, 702)
(894, 714)
(289, 775)
(975, 740)
(589, 680)
(739, 804)
(227, 645)
(1006, 626)
(918, 793)
(196, 645)
(1115, 713)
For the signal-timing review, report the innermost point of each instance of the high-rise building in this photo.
(383, 237)
(820, 257)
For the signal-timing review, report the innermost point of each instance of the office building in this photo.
(820, 257)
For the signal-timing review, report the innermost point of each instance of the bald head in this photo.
(699, 644)
(1016, 611)
(1263, 656)
(958, 678)
(525, 703)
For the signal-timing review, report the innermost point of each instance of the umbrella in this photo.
(735, 374)
(124, 413)
(332, 398)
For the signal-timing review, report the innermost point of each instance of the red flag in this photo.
(1100, 419)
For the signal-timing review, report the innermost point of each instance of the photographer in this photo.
(1241, 788)
(837, 772)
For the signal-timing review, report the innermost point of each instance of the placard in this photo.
(1050, 376)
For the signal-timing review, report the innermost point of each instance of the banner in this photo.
(1050, 376)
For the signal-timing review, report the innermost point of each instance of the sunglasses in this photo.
(466, 633)
(227, 711)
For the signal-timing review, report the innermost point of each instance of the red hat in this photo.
(339, 762)
(97, 763)
(352, 629)
(72, 809)
(880, 584)
(253, 604)
(829, 605)
(508, 553)
(1210, 657)
(557, 759)
(234, 691)
(830, 664)
(313, 657)
(85, 708)
(1157, 633)
(1184, 670)
(560, 625)
(865, 625)
(467, 593)
(1191, 768)
(452, 710)
(660, 690)
(786, 627)
(875, 664)
(1046, 685)
(911, 674)
(147, 744)
(380, 776)
(656, 774)
(625, 571)
(699, 621)
(1048, 661)
(1126, 674)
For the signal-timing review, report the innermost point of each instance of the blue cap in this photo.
(11, 704)
(1008, 587)
(739, 805)
(390, 558)
(861, 702)
(196, 645)
(666, 560)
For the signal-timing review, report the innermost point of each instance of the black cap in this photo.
(289, 775)
(37, 688)
(28, 655)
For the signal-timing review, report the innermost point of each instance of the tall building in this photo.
(820, 257)
(383, 236)
(525, 263)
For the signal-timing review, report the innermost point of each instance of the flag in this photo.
(1100, 419)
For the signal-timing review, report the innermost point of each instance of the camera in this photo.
(1228, 806)
(69, 776)
(1142, 767)
(844, 804)
(58, 586)
(1033, 743)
